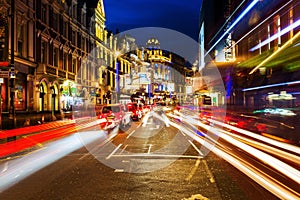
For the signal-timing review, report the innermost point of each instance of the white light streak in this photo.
(261, 178)
(271, 85)
(26, 165)
(249, 32)
(234, 23)
(275, 36)
(285, 146)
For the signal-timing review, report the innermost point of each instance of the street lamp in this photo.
(194, 68)
(117, 55)
(12, 112)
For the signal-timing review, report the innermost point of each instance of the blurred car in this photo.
(147, 108)
(114, 114)
(135, 111)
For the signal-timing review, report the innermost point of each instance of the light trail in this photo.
(271, 85)
(282, 167)
(269, 149)
(19, 169)
(275, 36)
(145, 119)
(227, 20)
(255, 174)
(234, 23)
(286, 44)
(249, 32)
(285, 146)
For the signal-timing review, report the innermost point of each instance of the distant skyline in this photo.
(178, 15)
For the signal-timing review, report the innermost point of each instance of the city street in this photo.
(152, 159)
(187, 100)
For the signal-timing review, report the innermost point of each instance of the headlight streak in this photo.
(269, 149)
(285, 146)
(282, 167)
(260, 177)
(23, 167)
(265, 181)
(162, 117)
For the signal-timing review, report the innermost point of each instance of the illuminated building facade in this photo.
(253, 44)
(215, 40)
(267, 72)
(164, 70)
(65, 59)
(24, 54)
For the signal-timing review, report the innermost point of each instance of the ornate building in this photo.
(24, 54)
(64, 56)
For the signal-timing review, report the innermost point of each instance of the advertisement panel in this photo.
(189, 89)
(171, 87)
(144, 78)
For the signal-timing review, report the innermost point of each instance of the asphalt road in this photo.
(148, 160)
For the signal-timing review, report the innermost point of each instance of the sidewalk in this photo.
(32, 118)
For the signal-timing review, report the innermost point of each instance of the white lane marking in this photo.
(124, 148)
(145, 119)
(155, 155)
(211, 176)
(102, 144)
(193, 171)
(195, 147)
(114, 151)
(119, 170)
(130, 134)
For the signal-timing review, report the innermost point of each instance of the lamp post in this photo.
(194, 68)
(117, 54)
(12, 113)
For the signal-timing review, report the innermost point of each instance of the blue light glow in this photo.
(117, 77)
(272, 85)
(234, 23)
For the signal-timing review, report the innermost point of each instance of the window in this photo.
(55, 57)
(65, 29)
(73, 65)
(21, 36)
(44, 53)
(55, 21)
(20, 47)
(73, 37)
(74, 11)
(83, 43)
(44, 13)
(65, 61)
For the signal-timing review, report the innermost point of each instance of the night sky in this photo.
(178, 15)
